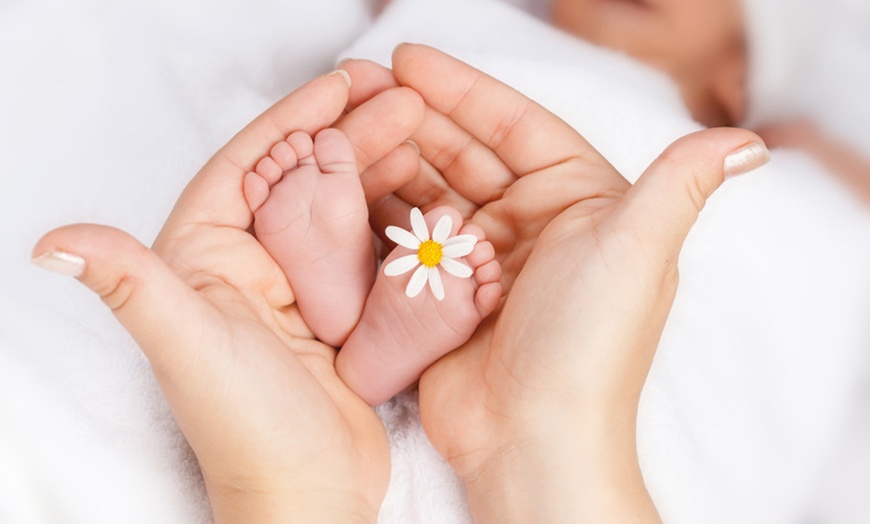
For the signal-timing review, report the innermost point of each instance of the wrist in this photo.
(234, 503)
(577, 469)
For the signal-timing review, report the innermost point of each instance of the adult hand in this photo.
(277, 434)
(537, 412)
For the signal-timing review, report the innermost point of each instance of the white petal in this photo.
(460, 239)
(401, 265)
(402, 237)
(417, 282)
(457, 250)
(435, 283)
(457, 269)
(442, 229)
(418, 225)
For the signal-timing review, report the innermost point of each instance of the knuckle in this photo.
(118, 294)
(695, 192)
(689, 181)
(505, 127)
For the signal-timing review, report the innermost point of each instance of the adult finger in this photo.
(523, 134)
(381, 124)
(665, 201)
(451, 168)
(465, 163)
(399, 182)
(394, 170)
(214, 196)
(390, 210)
(149, 300)
(468, 166)
(367, 80)
(430, 189)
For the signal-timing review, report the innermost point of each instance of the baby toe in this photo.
(487, 273)
(303, 145)
(334, 152)
(283, 155)
(256, 191)
(487, 297)
(435, 215)
(269, 170)
(482, 253)
(473, 229)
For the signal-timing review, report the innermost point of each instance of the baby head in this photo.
(699, 43)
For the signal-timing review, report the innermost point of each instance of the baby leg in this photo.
(310, 214)
(398, 337)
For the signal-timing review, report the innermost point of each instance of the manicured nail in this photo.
(61, 263)
(342, 73)
(745, 159)
(414, 145)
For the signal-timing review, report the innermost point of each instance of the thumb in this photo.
(149, 300)
(666, 200)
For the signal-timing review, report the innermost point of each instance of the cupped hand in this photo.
(277, 434)
(590, 272)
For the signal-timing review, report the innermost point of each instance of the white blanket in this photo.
(105, 113)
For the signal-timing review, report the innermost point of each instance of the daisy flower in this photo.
(439, 250)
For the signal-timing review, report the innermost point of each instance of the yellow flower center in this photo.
(429, 253)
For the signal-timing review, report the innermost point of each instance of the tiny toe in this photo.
(256, 190)
(283, 155)
(434, 215)
(487, 297)
(334, 152)
(482, 253)
(473, 229)
(488, 273)
(303, 146)
(269, 170)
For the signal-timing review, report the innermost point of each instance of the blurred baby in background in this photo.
(794, 70)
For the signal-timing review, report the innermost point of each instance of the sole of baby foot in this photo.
(310, 214)
(399, 336)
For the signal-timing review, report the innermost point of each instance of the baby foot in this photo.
(398, 337)
(310, 214)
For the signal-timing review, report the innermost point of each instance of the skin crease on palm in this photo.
(699, 43)
(499, 204)
(523, 371)
(550, 382)
(257, 398)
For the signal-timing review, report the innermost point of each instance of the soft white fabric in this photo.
(107, 109)
(781, 35)
(810, 59)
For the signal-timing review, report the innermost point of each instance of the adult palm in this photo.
(276, 432)
(590, 261)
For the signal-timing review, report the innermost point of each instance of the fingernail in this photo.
(745, 159)
(400, 44)
(414, 145)
(61, 262)
(342, 73)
